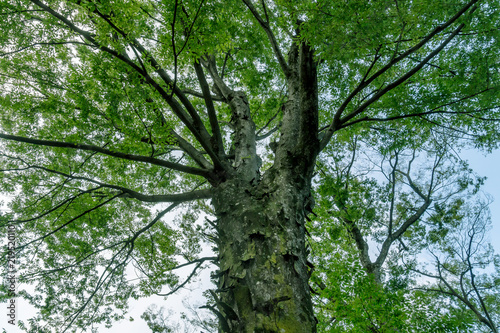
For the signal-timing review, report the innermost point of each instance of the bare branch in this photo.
(436, 110)
(392, 180)
(178, 197)
(69, 222)
(487, 321)
(43, 44)
(56, 207)
(106, 275)
(185, 281)
(402, 79)
(196, 261)
(200, 95)
(153, 222)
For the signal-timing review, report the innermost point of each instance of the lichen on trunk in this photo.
(263, 273)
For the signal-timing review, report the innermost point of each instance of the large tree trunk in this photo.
(263, 272)
(263, 276)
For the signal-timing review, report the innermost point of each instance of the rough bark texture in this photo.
(263, 272)
(263, 276)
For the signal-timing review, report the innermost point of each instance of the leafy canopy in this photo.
(115, 113)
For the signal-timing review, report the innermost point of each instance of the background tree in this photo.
(465, 267)
(377, 216)
(115, 114)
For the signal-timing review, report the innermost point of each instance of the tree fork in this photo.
(263, 272)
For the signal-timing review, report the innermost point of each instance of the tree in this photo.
(465, 268)
(111, 109)
(377, 198)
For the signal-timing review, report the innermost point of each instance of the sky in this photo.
(484, 165)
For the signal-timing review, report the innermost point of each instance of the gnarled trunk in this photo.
(263, 273)
(263, 276)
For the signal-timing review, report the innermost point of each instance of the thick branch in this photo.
(246, 159)
(400, 231)
(210, 64)
(360, 243)
(130, 157)
(192, 121)
(197, 127)
(192, 151)
(212, 116)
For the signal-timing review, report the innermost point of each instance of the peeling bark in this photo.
(263, 273)
(263, 276)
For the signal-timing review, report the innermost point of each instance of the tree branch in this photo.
(403, 78)
(130, 157)
(178, 197)
(212, 116)
(192, 121)
(42, 44)
(337, 122)
(56, 207)
(361, 244)
(487, 321)
(384, 251)
(200, 95)
(192, 151)
(69, 222)
(185, 281)
(270, 35)
(420, 114)
(196, 261)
